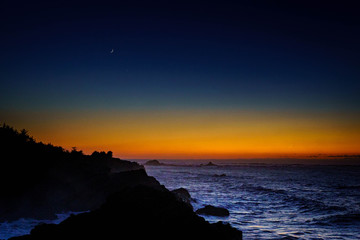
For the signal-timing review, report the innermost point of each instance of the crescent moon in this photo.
(112, 50)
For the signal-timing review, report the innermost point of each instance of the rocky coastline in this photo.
(118, 195)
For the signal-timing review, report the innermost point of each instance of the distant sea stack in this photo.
(209, 164)
(220, 175)
(154, 163)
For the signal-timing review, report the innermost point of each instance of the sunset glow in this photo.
(225, 83)
(198, 134)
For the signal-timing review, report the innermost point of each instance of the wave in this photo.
(311, 205)
(357, 187)
(288, 238)
(259, 189)
(303, 204)
(342, 219)
(270, 190)
(23, 226)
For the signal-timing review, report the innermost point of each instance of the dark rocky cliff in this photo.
(39, 180)
(137, 213)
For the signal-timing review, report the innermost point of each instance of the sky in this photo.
(184, 79)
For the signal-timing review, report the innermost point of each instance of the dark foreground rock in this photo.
(39, 180)
(136, 213)
(213, 211)
(183, 195)
(76, 195)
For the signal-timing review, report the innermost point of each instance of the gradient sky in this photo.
(210, 79)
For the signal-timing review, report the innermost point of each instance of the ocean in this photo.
(266, 201)
(275, 201)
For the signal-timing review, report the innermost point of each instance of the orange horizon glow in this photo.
(196, 134)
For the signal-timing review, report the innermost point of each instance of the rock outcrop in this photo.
(39, 180)
(220, 175)
(136, 213)
(209, 164)
(213, 211)
(183, 195)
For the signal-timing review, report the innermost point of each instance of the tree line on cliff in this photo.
(38, 180)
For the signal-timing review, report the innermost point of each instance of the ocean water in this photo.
(23, 226)
(275, 201)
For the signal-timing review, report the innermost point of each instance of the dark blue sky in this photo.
(187, 79)
(179, 54)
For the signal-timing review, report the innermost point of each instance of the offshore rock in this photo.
(220, 175)
(153, 163)
(209, 164)
(213, 211)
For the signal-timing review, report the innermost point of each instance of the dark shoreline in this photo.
(121, 198)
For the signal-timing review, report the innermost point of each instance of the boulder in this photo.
(183, 195)
(213, 211)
